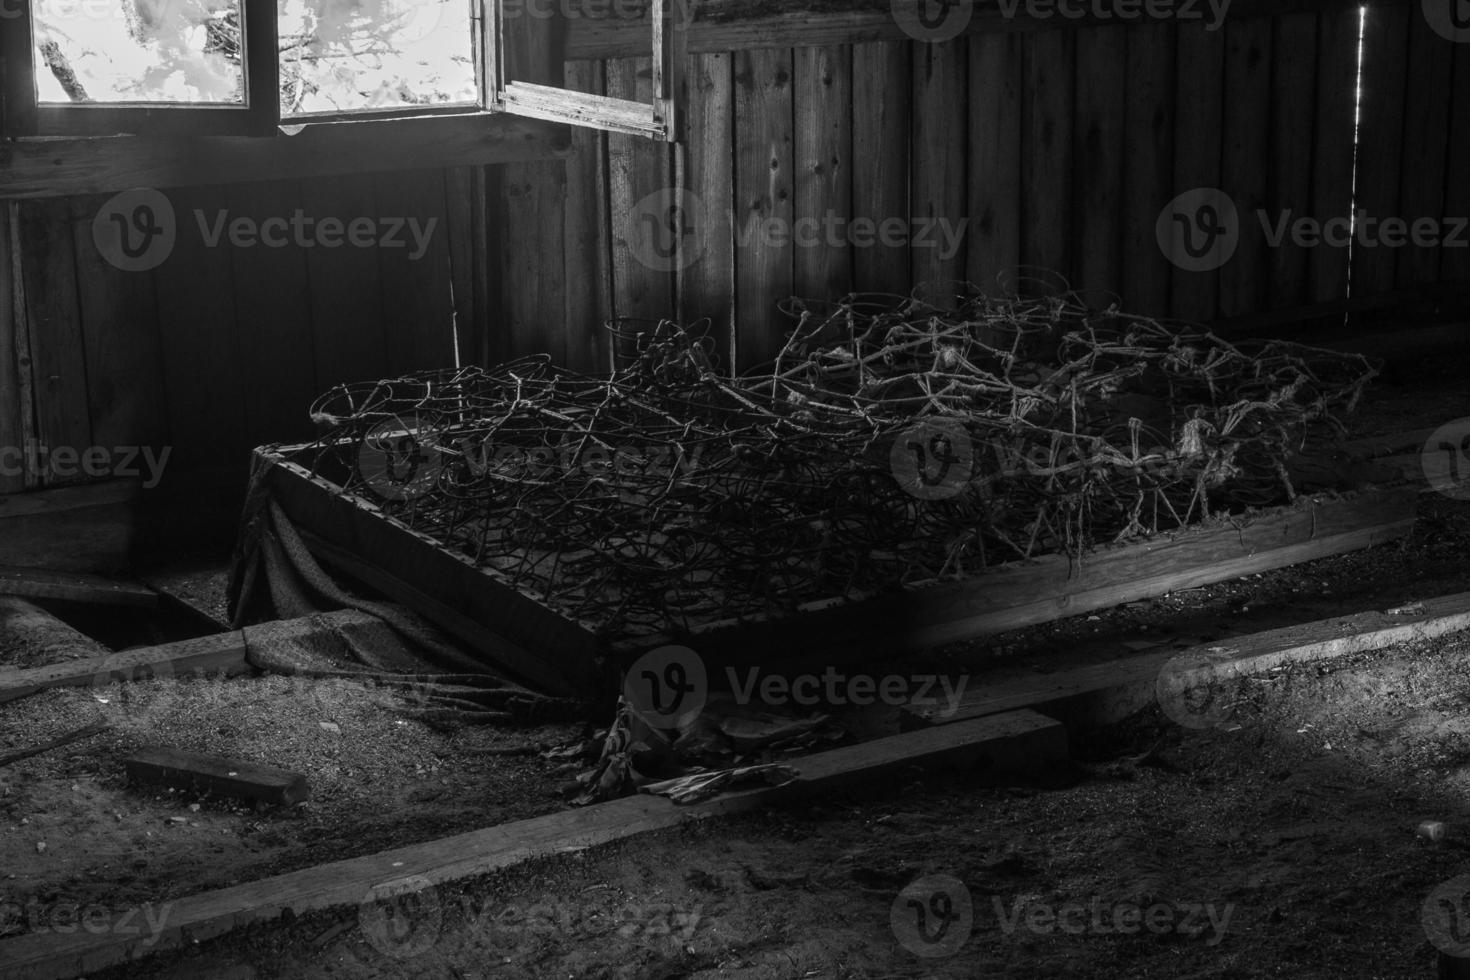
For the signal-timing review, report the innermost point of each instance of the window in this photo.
(248, 67)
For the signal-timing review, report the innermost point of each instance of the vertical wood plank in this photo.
(346, 299)
(274, 312)
(1380, 142)
(124, 360)
(994, 233)
(1198, 114)
(1455, 262)
(1046, 179)
(418, 317)
(1098, 160)
(707, 274)
(464, 203)
(54, 328)
(1334, 133)
(1293, 96)
(641, 189)
(823, 185)
(13, 423)
(939, 211)
(1148, 166)
(588, 273)
(1244, 280)
(201, 341)
(1425, 144)
(527, 235)
(763, 187)
(881, 122)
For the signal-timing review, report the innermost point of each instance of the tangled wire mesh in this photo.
(893, 441)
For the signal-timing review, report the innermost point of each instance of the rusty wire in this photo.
(894, 440)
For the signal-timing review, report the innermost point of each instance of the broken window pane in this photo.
(353, 55)
(138, 51)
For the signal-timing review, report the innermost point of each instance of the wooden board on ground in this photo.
(221, 654)
(160, 765)
(1108, 692)
(1021, 741)
(77, 587)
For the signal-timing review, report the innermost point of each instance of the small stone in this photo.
(40, 847)
(1432, 830)
(193, 807)
(178, 820)
(330, 726)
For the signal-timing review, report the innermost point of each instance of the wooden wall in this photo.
(1058, 148)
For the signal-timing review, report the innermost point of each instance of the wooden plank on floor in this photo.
(74, 586)
(1021, 741)
(994, 232)
(881, 123)
(1107, 692)
(764, 264)
(222, 653)
(236, 779)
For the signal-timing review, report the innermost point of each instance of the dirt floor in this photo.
(1282, 845)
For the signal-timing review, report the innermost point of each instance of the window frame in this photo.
(661, 119)
(25, 115)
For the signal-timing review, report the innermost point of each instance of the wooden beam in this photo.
(1025, 593)
(37, 637)
(223, 653)
(1108, 692)
(164, 766)
(75, 587)
(744, 25)
(53, 167)
(1021, 741)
